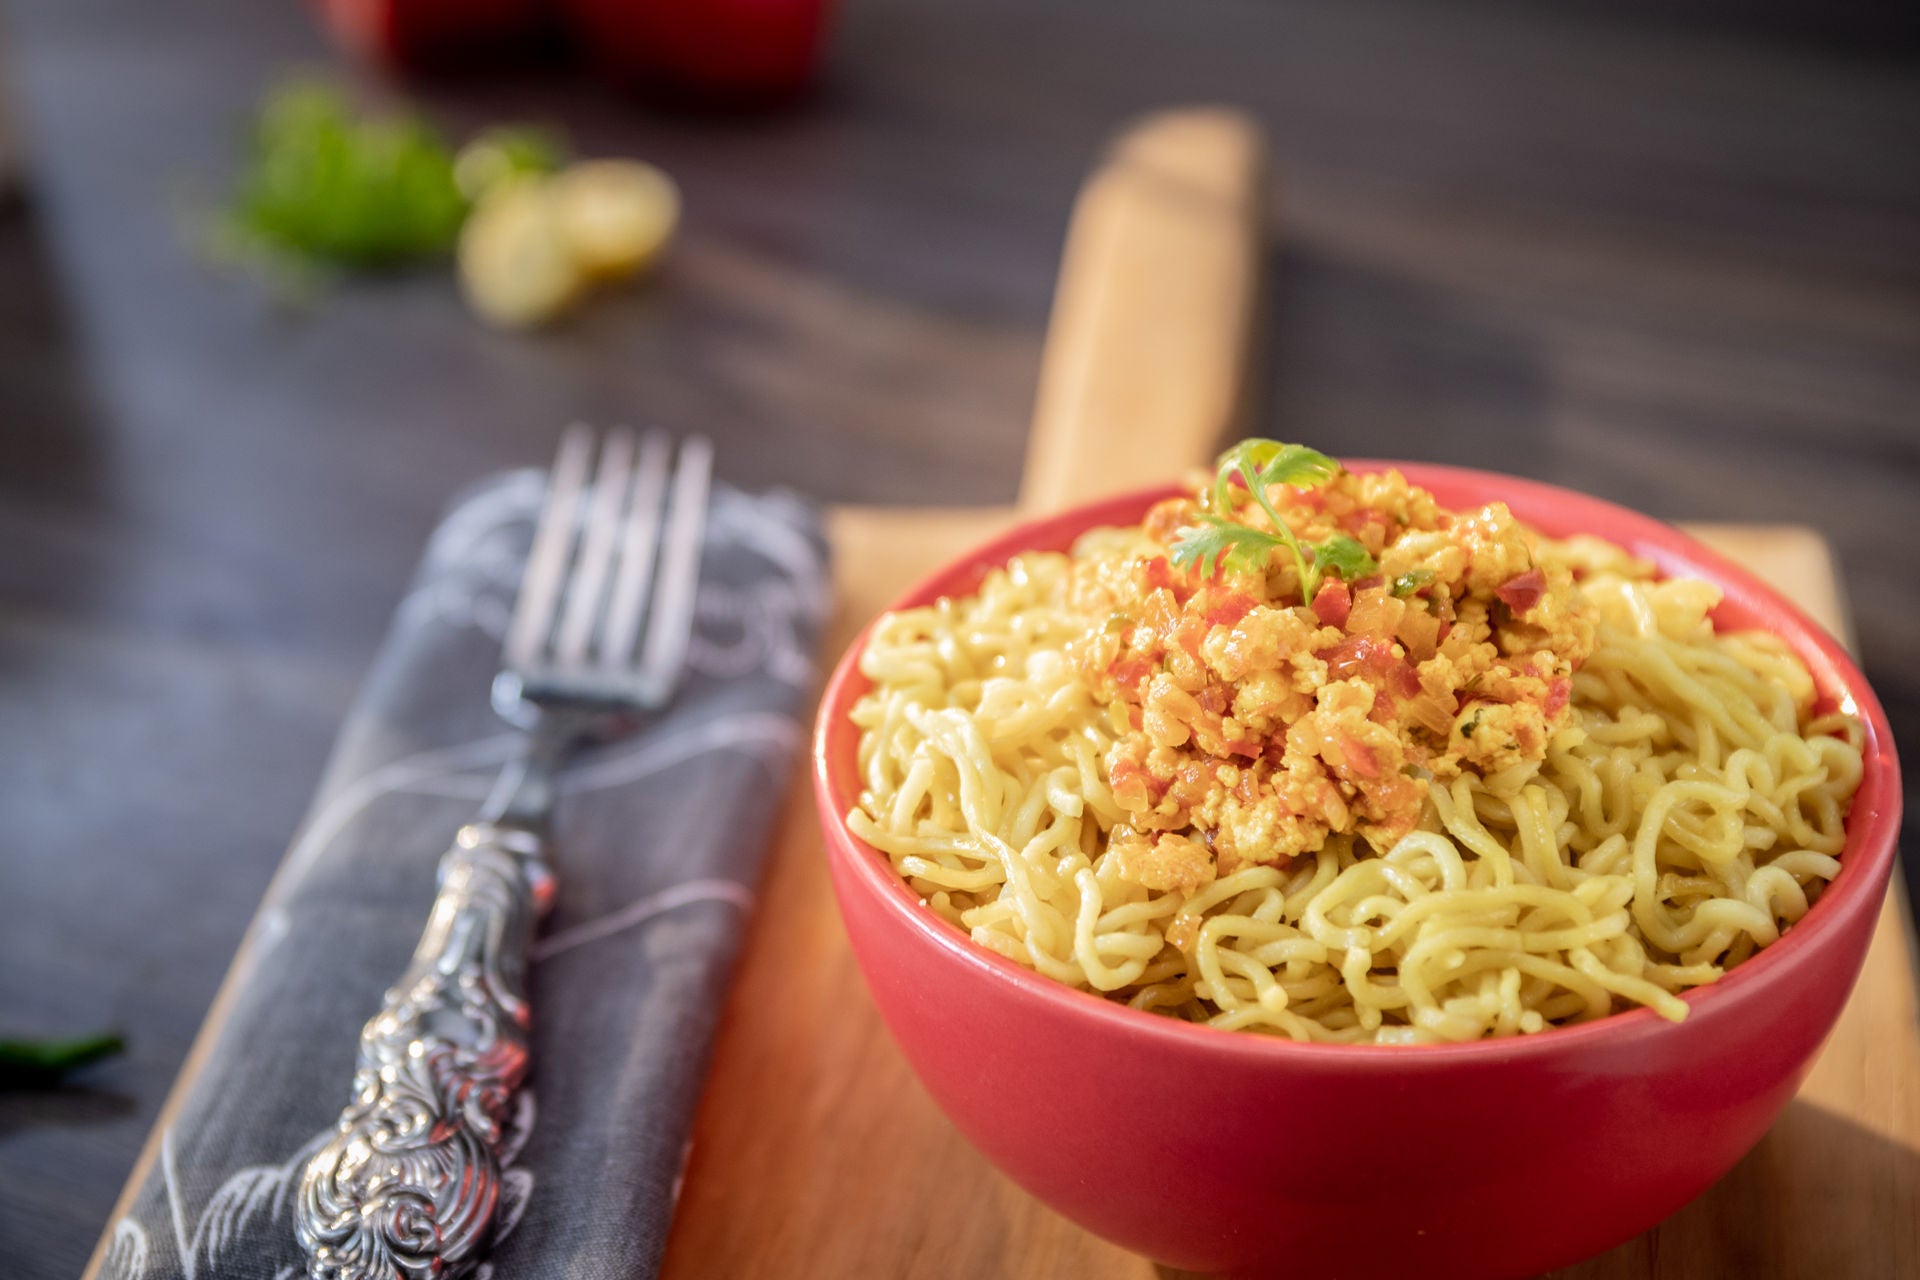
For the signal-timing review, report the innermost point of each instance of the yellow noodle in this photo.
(1688, 811)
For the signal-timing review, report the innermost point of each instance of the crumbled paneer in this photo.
(1254, 724)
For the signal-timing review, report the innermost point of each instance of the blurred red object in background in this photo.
(718, 50)
(418, 35)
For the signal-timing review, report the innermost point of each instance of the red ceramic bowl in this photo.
(1227, 1151)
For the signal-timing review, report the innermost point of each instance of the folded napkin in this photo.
(657, 846)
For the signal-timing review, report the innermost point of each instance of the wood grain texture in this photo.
(1151, 340)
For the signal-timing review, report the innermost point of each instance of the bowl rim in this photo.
(1867, 858)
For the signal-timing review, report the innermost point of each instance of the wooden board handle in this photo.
(1151, 342)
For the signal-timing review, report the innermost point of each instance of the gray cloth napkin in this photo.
(657, 847)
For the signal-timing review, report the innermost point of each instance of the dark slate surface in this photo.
(1668, 253)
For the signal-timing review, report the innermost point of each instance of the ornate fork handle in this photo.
(407, 1184)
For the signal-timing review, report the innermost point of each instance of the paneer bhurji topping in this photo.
(1303, 649)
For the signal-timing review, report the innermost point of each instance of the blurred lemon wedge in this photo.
(516, 268)
(532, 244)
(617, 215)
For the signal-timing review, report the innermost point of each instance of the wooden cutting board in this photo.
(816, 1153)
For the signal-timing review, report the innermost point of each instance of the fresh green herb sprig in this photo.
(1217, 538)
(325, 187)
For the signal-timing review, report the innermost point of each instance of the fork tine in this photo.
(587, 583)
(639, 545)
(547, 559)
(671, 622)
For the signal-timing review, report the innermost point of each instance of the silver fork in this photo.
(407, 1181)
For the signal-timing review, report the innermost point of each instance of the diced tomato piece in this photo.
(1332, 603)
(1346, 657)
(1522, 591)
(1228, 609)
(1403, 679)
(1246, 748)
(1360, 757)
(1559, 689)
(1187, 634)
(1158, 574)
(1129, 672)
(1373, 657)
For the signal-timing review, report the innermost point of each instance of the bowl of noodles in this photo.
(1366, 870)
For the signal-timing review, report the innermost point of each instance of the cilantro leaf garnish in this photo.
(1410, 582)
(1258, 463)
(1217, 538)
(1345, 556)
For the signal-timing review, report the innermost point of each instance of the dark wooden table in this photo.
(1668, 255)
